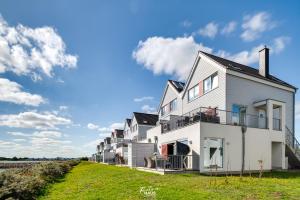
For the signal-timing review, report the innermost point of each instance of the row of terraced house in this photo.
(226, 117)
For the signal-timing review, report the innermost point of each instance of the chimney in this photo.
(264, 62)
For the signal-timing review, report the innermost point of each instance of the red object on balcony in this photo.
(164, 150)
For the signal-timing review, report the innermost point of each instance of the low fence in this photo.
(177, 162)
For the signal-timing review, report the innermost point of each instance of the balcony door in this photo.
(262, 122)
(238, 114)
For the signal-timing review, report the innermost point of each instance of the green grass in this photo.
(96, 181)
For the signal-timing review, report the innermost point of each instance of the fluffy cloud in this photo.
(33, 119)
(92, 126)
(141, 99)
(12, 92)
(256, 24)
(19, 140)
(51, 134)
(32, 51)
(40, 147)
(171, 56)
(175, 56)
(105, 130)
(148, 109)
(18, 134)
(280, 43)
(229, 28)
(248, 57)
(210, 30)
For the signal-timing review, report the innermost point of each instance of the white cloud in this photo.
(186, 23)
(105, 130)
(280, 43)
(256, 24)
(141, 99)
(32, 51)
(44, 141)
(18, 134)
(34, 120)
(12, 92)
(116, 126)
(229, 28)
(92, 144)
(148, 109)
(51, 134)
(248, 57)
(171, 56)
(175, 56)
(210, 30)
(19, 140)
(63, 107)
(93, 126)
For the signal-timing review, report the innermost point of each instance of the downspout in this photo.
(294, 119)
(244, 129)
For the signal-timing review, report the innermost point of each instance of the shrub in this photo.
(28, 183)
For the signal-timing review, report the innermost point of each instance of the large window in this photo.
(211, 83)
(194, 92)
(164, 110)
(173, 105)
(134, 128)
(169, 107)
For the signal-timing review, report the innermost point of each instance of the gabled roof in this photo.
(128, 121)
(228, 64)
(118, 133)
(179, 86)
(145, 118)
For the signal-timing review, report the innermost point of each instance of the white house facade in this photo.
(231, 116)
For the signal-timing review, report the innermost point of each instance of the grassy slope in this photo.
(97, 181)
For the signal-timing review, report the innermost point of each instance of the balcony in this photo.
(213, 115)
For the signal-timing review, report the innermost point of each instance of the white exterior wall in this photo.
(135, 133)
(258, 146)
(190, 133)
(142, 131)
(170, 95)
(245, 92)
(137, 152)
(122, 151)
(214, 98)
(127, 129)
(108, 156)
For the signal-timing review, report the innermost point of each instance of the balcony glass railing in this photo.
(212, 115)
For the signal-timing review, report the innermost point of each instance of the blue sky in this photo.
(70, 71)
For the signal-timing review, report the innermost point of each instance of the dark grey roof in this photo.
(145, 118)
(128, 122)
(118, 133)
(177, 85)
(246, 70)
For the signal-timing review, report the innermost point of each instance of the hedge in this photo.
(29, 182)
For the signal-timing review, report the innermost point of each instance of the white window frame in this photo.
(195, 91)
(211, 85)
(173, 105)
